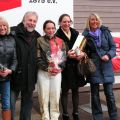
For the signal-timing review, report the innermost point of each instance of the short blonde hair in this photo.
(88, 20)
(4, 21)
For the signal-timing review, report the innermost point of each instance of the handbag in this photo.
(86, 66)
(82, 81)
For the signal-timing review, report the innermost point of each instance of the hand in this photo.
(71, 54)
(5, 72)
(105, 58)
(82, 54)
(54, 71)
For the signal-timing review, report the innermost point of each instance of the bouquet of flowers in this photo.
(54, 60)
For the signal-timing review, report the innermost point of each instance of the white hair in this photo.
(4, 21)
(28, 13)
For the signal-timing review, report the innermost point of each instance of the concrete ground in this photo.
(84, 106)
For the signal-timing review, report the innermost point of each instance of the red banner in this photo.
(9, 4)
(116, 59)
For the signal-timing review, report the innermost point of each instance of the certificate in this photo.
(79, 43)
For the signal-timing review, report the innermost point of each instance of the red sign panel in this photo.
(9, 4)
(116, 59)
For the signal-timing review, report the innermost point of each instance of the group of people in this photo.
(27, 58)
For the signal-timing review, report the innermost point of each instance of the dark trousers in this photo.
(75, 100)
(96, 105)
(26, 104)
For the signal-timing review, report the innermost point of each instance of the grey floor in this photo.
(84, 106)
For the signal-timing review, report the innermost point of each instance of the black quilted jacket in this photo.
(8, 53)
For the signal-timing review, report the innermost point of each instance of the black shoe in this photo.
(75, 116)
(65, 117)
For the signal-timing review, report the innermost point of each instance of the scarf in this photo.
(96, 36)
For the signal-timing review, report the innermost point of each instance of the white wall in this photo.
(45, 11)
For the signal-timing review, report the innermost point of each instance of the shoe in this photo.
(65, 117)
(75, 116)
(6, 115)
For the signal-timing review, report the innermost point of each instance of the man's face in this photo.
(30, 22)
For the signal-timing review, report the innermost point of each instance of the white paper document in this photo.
(78, 42)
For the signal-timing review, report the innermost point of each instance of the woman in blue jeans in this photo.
(8, 64)
(101, 48)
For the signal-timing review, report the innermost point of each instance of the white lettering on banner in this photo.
(116, 59)
(116, 37)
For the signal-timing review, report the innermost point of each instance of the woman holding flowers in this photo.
(50, 61)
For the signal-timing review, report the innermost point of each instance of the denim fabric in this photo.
(5, 94)
(112, 110)
(97, 113)
(26, 104)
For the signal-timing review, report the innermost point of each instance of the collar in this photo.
(67, 34)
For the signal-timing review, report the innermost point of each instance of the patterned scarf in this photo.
(97, 37)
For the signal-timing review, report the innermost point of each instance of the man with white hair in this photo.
(25, 76)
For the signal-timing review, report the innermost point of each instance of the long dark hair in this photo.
(62, 16)
(46, 22)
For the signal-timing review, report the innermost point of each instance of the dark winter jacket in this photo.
(25, 77)
(8, 54)
(70, 77)
(104, 72)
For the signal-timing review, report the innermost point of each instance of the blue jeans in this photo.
(26, 104)
(5, 94)
(97, 112)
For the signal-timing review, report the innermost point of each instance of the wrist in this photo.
(109, 56)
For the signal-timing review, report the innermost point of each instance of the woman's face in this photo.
(50, 29)
(65, 23)
(94, 23)
(3, 28)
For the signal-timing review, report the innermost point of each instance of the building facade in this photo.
(108, 10)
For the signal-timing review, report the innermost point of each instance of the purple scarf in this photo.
(97, 37)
